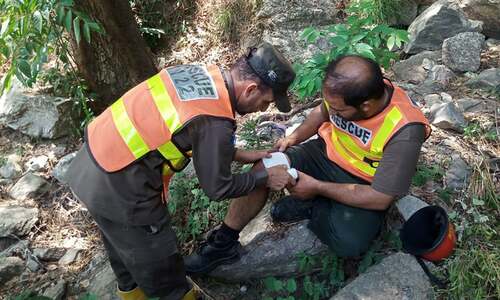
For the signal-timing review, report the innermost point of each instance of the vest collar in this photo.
(228, 80)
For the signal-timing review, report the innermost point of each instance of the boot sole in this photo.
(214, 264)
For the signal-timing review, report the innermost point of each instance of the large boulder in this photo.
(28, 186)
(16, 219)
(416, 68)
(61, 168)
(284, 21)
(448, 116)
(10, 168)
(462, 52)
(38, 116)
(457, 174)
(98, 278)
(487, 11)
(398, 276)
(441, 20)
(269, 253)
(10, 267)
(488, 79)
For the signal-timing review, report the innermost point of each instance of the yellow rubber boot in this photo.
(135, 294)
(191, 295)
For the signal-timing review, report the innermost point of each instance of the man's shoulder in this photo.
(413, 132)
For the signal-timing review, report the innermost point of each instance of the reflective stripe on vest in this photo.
(127, 130)
(355, 155)
(145, 118)
(361, 157)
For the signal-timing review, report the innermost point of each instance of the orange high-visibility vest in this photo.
(146, 117)
(358, 146)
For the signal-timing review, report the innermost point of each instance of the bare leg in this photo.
(242, 210)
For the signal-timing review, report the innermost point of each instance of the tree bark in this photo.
(115, 61)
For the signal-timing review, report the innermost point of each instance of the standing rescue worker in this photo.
(370, 135)
(132, 149)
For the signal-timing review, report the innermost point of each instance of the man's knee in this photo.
(348, 246)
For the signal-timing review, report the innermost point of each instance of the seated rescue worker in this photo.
(132, 149)
(370, 135)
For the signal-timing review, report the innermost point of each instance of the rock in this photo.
(266, 253)
(487, 11)
(414, 69)
(493, 44)
(69, 257)
(36, 115)
(32, 265)
(10, 168)
(270, 131)
(441, 20)
(5, 182)
(430, 100)
(462, 52)
(458, 173)
(397, 276)
(49, 254)
(61, 168)
(284, 21)
(408, 205)
(19, 248)
(441, 74)
(447, 116)
(10, 267)
(471, 105)
(56, 291)
(488, 79)
(28, 186)
(99, 278)
(15, 219)
(406, 13)
(37, 163)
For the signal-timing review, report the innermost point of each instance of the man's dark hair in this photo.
(245, 72)
(354, 78)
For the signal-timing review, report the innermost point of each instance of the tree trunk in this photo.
(115, 61)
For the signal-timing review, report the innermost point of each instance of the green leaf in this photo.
(60, 12)
(338, 41)
(291, 285)
(38, 21)
(76, 29)
(5, 51)
(5, 27)
(390, 42)
(68, 20)
(477, 201)
(364, 50)
(24, 67)
(86, 32)
(67, 2)
(358, 37)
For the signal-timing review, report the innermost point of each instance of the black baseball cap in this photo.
(274, 70)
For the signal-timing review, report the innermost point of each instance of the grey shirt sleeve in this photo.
(211, 141)
(399, 162)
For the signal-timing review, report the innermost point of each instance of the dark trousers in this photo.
(347, 230)
(146, 256)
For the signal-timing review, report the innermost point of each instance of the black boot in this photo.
(291, 209)
(217, 250)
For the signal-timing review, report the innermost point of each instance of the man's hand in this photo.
(249, 156)
(278, 178)
(305, 188)
(284, 143)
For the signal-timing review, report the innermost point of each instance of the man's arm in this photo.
(310, 127)
(358, 195)
(392, 179)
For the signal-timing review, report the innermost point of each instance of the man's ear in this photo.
(250, 89)
(367, 106)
